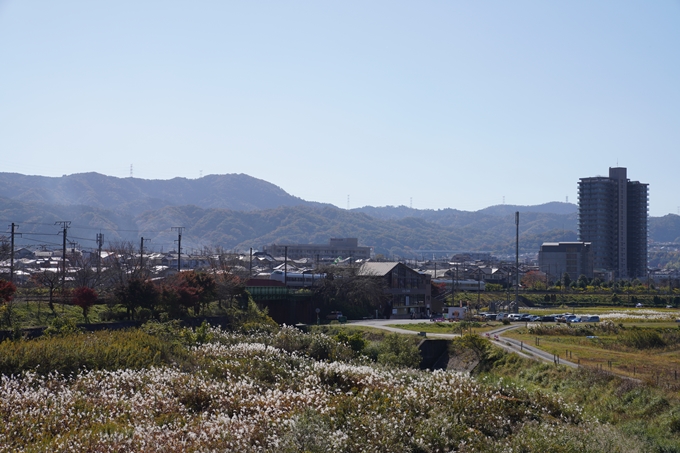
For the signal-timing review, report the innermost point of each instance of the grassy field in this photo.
(649, 351)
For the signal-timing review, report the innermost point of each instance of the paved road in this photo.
(495, 336)
(524, 350)
(384, 324)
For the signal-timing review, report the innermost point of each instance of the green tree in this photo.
(138, 293)
(583, 281)
(399, 350)
(479, 346)
(566, 279)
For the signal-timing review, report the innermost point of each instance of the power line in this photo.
(42, 242)
(83, 239)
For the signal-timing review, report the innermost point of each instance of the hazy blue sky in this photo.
(451, 103)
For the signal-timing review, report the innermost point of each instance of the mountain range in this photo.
(237, 211)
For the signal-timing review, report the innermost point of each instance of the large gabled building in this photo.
(407, 292)
(613, 213)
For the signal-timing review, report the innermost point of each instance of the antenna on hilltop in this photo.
(130, 170)
(567, 198)
(347, 202)
(200, 173)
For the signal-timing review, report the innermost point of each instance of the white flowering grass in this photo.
(251, 396)
(639, 315)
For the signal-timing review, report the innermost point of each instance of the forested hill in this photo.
(134, 196)
(404, 237)
(260, 213)
(461, 218)
(240, 230)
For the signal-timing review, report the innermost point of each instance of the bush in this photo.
(642, 339)
(316, 345)
(144, 314)
(61, 326)
(356, 341)
(104, 350)
(398, 350)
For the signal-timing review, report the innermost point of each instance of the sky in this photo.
(434, 104)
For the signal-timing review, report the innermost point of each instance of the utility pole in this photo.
(65, 224)
(141, 254)
(285, 265)
(250, 270)
(100, 242)
(457, 280)
(517, 256)
(479, 290)
(454, 277)
(179, 246)
(11, 252)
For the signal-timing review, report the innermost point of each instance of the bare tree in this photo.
(344, 287)
(50, 280)
(5, 248)
(123, 265)
(229, 279)
(86, 274)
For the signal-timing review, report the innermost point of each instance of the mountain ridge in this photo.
(259, 213)
(134, 195)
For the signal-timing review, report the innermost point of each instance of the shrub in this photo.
(642, 339)
(398, 350)
(356, 341)
(61, 326)
(144, 314)
(104, 350)
(478, 345)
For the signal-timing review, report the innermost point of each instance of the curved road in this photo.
(495, 336)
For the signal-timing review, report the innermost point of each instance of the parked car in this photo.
(502, 316)
(593, 318)
(565, 317)
(549, 318)
(334, 315)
